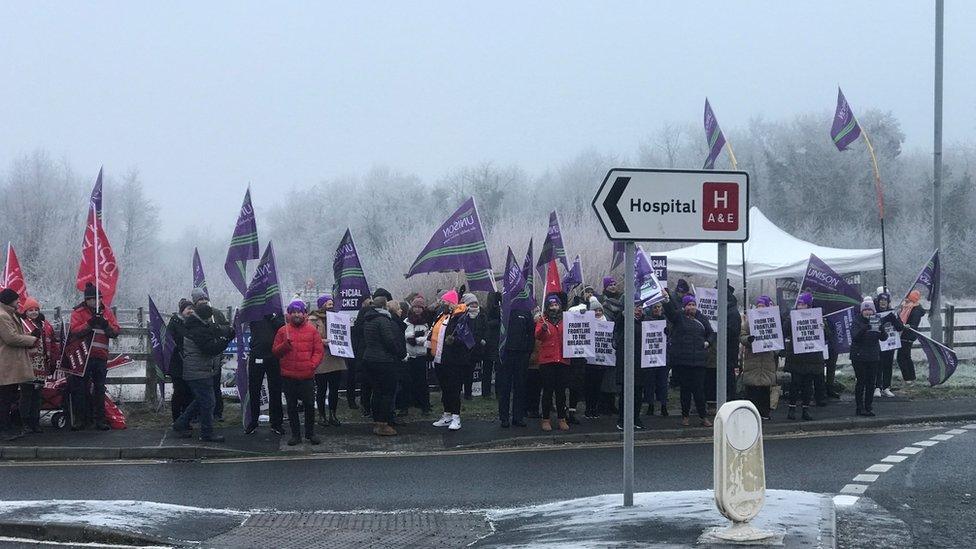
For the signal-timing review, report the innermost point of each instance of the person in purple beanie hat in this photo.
(803, 367)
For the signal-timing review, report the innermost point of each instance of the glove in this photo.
(449, 340)
(412, 340)
(752, 339)
(36, 333)
(93, 322)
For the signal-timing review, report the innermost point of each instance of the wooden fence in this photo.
(134, 341)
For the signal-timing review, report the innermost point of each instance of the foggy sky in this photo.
(203, 98)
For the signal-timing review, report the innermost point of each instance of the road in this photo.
(931, 492)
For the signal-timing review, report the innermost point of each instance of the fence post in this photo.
(950, 324)
(150, 395)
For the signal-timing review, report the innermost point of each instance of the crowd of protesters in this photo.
(396, 344)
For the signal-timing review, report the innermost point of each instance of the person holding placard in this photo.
(328, 374)
(656, 379)
(890, 321)
(691, 336)
(417, 336)
(553, 368)
(866, 336)
(595, 366)
(802, 366)
(759, 368)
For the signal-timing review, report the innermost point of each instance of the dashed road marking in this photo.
(850, 493)
(856, 489)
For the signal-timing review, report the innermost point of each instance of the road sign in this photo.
(674, 205)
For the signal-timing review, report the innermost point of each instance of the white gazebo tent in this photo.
(770, 252)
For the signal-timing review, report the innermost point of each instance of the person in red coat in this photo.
(553, 368)
(95, 324)
(44, 357)
(299, 349)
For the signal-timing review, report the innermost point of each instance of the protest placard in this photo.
(766, 329)
(578, 334)
(808, 332)
(654, 344)
(339, 333)
(604, 353)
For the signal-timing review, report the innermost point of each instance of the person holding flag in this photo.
(182, 396)
(203, 348)
(15, 366)
(882, 385)
(553, 368)
(456, 354)
(911, 314)
(44, 358)
(93, 323)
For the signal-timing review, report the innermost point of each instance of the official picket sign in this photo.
(339, 328)
(674, 205)
(893, 343)
(654, 344)
(707, 299)
(578, 334)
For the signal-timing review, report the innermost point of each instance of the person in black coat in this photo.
(890, 318)
(510, 387)
(356, 370)
(261, 362)
(493, 324)
(691, 335)
(177, 328)
(911, 315)
(866, 335)
(384, 350)
(733, 329)
(478, 323)
(803, 367)
(639, 373)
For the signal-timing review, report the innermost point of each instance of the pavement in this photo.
(442, 499)
(418, 436)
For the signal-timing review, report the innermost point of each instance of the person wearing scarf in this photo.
(910, 315)
(553, 368)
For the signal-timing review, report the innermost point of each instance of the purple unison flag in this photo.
(845, 129)
(830, 291)
(527, 273)
(552, 247)
(930, 278)
(263, 296)
(480, 280)
(840, 335)
(162, 344)
(714, 136)
(574, 276)
(648, 287)
(942, 359)
(619, 250)
(462, 331)
(516, 295)
(457, 245)
(243, 245)
(351, 287)
(199, 279)
(241, 377)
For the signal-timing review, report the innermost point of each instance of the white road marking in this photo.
(845, 501)
(894, 459)
(856, 489)
(879, 468)
(956, 432)
(909, 450)
(927, 443)
(970, 426)
(942, 437)
(865, 478)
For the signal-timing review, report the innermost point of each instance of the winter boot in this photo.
(664, 410)
(333, 420)
(546, 425)
(563, 426)
(792, 413)
(571, 418)
(650, 409)
(806, 414)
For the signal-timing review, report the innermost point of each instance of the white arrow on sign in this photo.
(674, 205)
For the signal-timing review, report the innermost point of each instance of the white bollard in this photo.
(740, 472)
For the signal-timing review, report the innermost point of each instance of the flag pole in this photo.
(880, 196)
(745, 284)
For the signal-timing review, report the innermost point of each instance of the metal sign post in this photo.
(628, 350)
(721, 338)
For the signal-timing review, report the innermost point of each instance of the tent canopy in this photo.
(771, 252)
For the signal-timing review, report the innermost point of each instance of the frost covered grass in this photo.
(122, 514)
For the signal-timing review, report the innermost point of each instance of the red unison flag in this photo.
(98, 264)
(13, 276)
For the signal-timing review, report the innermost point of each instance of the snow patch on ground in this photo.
(121, 514)
(659, 518)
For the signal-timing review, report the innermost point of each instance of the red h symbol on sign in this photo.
(721, 206)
